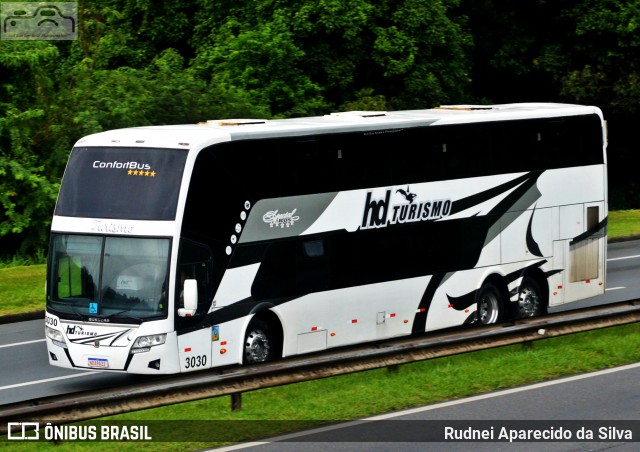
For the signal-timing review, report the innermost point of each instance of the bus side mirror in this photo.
(190, 296)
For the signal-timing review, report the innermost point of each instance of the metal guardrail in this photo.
(232, 381)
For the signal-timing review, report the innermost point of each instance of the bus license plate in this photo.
(98, 362)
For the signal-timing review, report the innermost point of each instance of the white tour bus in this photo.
(178, 248)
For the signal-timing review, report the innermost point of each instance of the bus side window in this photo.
(292, 268)
(305, 167)
(467, 151)
(416, 156)
(362, 162)
(517, 146)
(558, 147)
(589, 136)
(277, 273)
(312, 269)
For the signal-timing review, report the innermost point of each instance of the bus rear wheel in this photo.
(489, 305)
(259, 342)
(530, 302)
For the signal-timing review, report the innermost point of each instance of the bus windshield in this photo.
(120, 182)
(119, 278)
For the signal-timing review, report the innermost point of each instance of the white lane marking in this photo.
(22, 343)
(614, 288)
(622, 258)
(507, 392)
(46, 380)
(429, 408)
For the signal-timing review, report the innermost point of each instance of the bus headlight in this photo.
(149, 341)
(56, 336)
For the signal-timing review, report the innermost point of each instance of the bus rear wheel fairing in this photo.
(490, 304)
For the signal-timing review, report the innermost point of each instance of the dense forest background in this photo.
(140, 62)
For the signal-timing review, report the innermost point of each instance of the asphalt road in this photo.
(25, 373)
(605, 403)
(623, 283)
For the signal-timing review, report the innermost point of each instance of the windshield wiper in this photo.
(120, 315)
(70, 312)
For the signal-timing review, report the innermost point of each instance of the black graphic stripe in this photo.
(377, 254)
(244, 255)
(469, 299)
(420, 319)
(516, 195)
(532, 245)
(234, 311)
(118, 337)
(478, 198)
(553, 272)
(598, 230)
(91, 339)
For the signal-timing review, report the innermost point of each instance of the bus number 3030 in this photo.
(195, 361)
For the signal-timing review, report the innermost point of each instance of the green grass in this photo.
(378, 391)
(366, 393)
(623, 223)
(22, 289)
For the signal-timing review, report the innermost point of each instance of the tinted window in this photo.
(361, 160)
(271, 168)
(108, 276)
(126, 183)
(311, 264)
(417, 155)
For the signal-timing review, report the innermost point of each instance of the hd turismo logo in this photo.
(381, 212)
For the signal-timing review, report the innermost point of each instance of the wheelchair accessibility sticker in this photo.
(32, 21)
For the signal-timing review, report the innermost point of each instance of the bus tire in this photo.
(530, 299)
(490, 305)
(259, 342)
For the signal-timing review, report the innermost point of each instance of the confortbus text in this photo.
(122, 165)
(379, 213)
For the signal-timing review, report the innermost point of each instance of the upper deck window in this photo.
(119, 182)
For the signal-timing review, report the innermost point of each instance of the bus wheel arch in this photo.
(262, 338)
(533, 296)
(490, 300)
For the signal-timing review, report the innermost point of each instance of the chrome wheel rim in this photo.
(257, 347)
(488, 309)
(528, 302)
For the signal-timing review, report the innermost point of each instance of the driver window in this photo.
(195, 263)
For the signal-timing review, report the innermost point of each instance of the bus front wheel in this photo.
(259, 342)
(489, 305)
